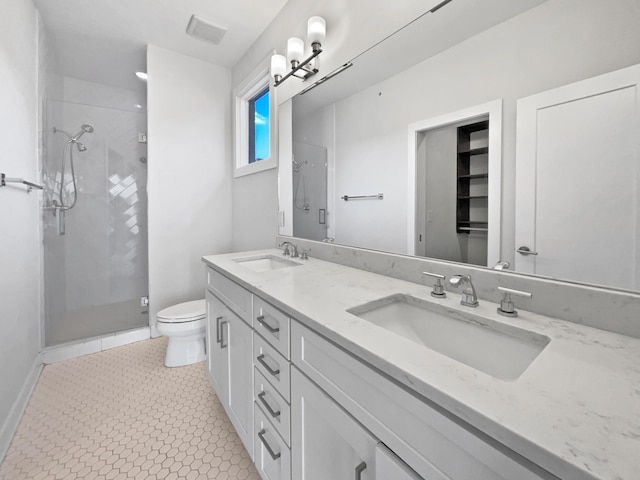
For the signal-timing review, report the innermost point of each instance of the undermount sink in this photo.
(264, 263)
(498, 349)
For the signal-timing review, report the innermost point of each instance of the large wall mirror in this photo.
(423, 144)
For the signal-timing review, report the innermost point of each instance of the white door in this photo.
(217, 351)
(240, 338)
(326, 443)
(578, 181)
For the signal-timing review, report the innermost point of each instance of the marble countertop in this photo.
(575, 411)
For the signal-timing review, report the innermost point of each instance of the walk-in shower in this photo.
(94, 218)
(309, 191)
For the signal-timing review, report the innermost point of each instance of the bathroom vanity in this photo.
(328, 371)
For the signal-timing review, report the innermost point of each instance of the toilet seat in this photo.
(183, 312)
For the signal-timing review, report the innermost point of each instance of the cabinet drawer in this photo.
(232, 294)
(274, 367)
(272, 456)
(272, 324)
(273, 405)
(434, 444)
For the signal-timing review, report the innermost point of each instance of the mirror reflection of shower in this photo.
(301, 203)
(60, 202)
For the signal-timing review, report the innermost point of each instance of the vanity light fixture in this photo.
(300, 67)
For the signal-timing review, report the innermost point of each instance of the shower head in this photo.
(81, 147)
(83, 129)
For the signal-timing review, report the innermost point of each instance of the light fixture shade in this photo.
(278, 65)
(295, 49)
(316, 30)
(142, 75)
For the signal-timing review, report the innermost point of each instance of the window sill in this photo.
(256, 167)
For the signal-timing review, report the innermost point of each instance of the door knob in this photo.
(524, 250)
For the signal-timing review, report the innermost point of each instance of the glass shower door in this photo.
(95, 248)
(309, 191)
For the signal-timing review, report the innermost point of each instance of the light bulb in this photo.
(295, 49)
(278, 65)
(316, 30)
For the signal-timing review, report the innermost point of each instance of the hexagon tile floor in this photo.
(120, 414)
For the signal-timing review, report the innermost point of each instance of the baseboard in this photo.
(10, 426)
(68, 351)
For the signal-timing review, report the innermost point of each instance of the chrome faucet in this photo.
(469, 296)
(294, 249)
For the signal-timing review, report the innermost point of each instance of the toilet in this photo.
(184, 324)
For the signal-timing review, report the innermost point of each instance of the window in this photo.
(254, 123)
(259, 127)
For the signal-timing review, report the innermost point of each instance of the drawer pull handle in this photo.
(359, 469)
(273, 454)
(273, 372)
(218, 339)
(222, 344)
(264, 323)
(271, 411)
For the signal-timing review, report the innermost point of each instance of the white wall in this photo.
(20, 277)
(559, 42)
(189, 173)
(352, 27)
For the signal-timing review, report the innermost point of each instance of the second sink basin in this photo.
(264, 263)
(498, 349)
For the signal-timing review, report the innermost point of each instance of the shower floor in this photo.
(80, 324)
(120, 414)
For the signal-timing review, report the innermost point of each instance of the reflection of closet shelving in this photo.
(472, 178)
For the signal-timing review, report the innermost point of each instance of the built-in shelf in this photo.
(474, 151)
(473, 229)
(472, 177)
(470, 197)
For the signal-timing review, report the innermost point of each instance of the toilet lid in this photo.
(183, 312)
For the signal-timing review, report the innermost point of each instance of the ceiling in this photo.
(105, 40)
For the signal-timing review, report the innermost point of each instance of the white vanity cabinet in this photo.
(272, 391)
(390, 467)
(306, 409)
(433, 443)
(326, 441)
(229, 354)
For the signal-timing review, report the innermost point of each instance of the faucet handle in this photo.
(286, 251)
(438, 288)
(305, 254)
(507, 308)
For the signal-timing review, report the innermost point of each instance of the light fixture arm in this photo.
(297, 67)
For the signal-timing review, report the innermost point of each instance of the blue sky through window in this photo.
(262, 140)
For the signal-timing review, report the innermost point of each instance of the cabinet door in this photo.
(217, 351)
(240, 407)
(390, 467)
(326, 443)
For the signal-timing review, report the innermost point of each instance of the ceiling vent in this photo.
(204, 30)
